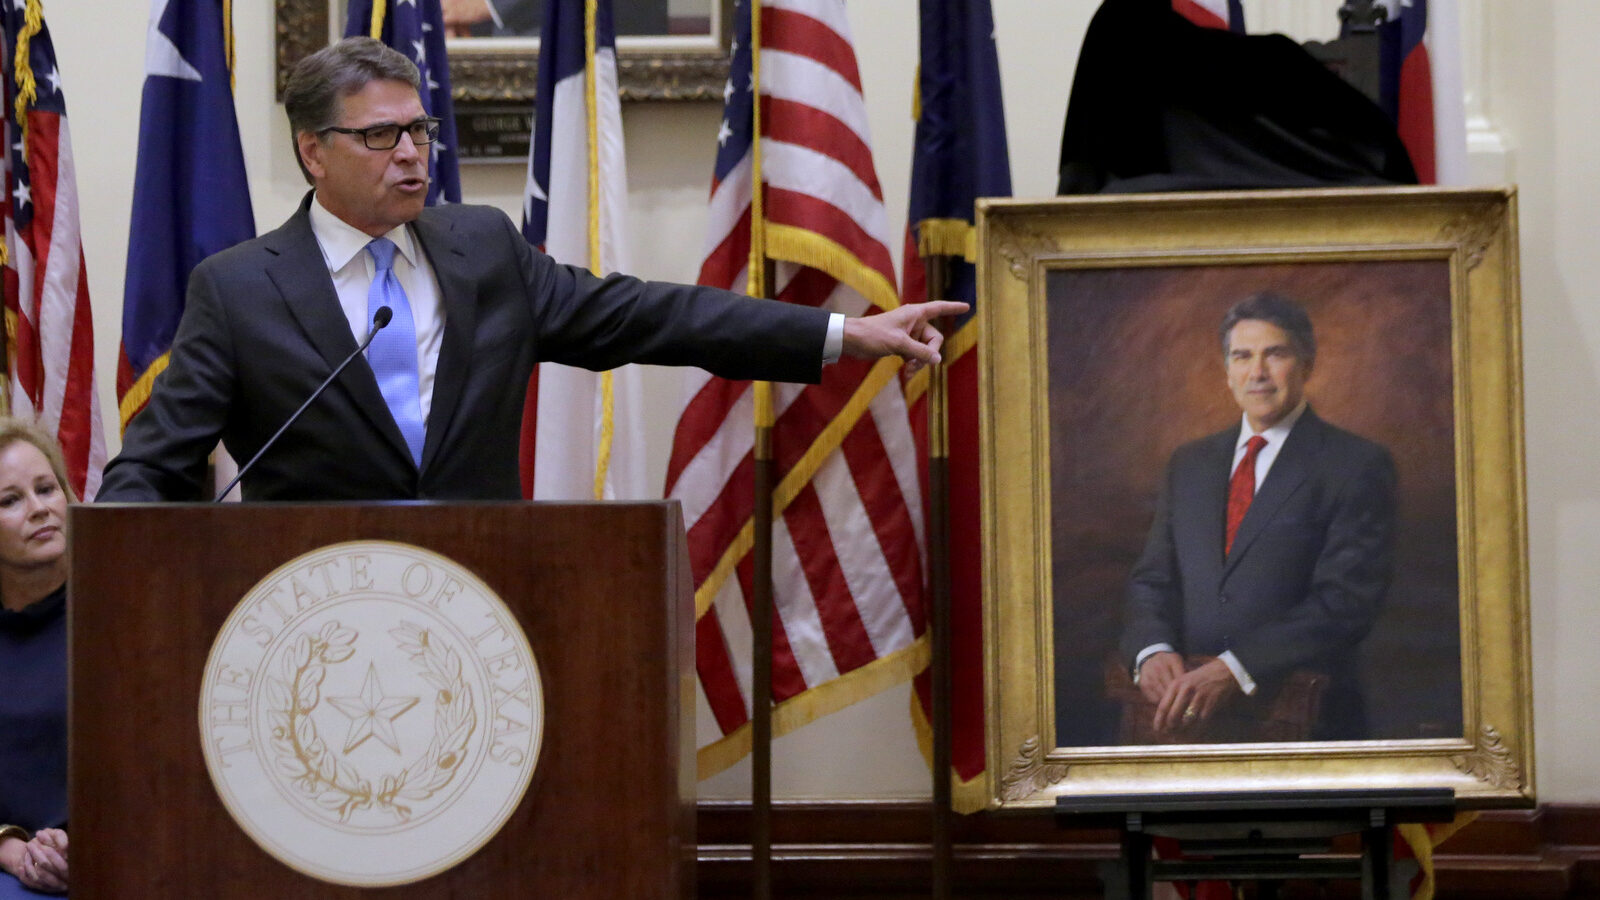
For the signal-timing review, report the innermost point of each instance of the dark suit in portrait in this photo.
(263, 328)
(1304, 579)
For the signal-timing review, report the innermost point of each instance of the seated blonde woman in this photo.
(33, 663)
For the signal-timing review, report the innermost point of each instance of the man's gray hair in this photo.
(1278, 310)
(316, 89)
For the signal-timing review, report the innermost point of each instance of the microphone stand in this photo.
(379, 320)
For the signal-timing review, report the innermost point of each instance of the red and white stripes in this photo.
(51, 367)
(848, 567)
(1205, 13)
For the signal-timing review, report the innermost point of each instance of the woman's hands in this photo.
(40, 864)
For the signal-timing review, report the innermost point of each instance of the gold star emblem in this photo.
(371, 713)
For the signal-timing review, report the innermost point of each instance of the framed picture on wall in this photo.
(667, 49)
(1357, 615)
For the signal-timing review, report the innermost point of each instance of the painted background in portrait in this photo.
(1136, 370)
(652, 18)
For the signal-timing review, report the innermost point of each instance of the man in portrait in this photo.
(1269, 555)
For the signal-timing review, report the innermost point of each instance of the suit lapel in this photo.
(298, 270)
(1288, 472)
(458, 299)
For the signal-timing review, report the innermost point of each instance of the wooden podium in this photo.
(602, 591)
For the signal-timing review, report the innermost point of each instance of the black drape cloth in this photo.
(1161, 104)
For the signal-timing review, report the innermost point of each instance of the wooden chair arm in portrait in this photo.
(1282, 711)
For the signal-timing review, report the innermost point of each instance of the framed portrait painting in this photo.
(675, 50)
(1160, 615)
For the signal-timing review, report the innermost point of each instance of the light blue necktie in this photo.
(393, 353)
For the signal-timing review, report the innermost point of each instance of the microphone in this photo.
(380, 320)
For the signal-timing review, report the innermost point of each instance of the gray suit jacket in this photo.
(263, 327)
(1307, 573)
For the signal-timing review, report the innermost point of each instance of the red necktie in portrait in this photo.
(1242, 489)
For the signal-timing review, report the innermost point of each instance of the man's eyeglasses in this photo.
(387, 137)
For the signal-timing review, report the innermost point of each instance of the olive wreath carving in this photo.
(317, 771)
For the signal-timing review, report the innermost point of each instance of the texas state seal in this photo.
(371, 713)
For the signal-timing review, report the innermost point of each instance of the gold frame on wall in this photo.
(1469, 234)
(507, 69)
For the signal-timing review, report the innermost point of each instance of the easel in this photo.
(1266, 837)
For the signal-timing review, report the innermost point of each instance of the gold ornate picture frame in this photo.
(1101, 357)
(502, 70)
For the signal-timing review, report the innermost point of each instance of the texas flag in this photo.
(1420, 86)
(1227, 15)
(581, 433)
(191, 197)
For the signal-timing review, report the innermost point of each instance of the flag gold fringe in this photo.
(797, 245)
(828, 697)
(960, 343)
(139, 392)
(227, 42)
(948, 237)
(6, 386)
(967, 795)
(608, 429)
(27, 92)
(827, 442)
(592, 123)
(1422, 841)
(27, 88)
(916, 94)
(602, 462)
(741, 544)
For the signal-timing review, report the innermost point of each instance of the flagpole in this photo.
(761, 601)
(934, 267)
(761, 638)
(761, 283)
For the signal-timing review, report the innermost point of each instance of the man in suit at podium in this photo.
(434, 411)
(1271, 547)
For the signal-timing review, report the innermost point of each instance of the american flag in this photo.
(416, 29)
(960, 155)
(582, 437)
(49, 328)
(1227, 15)
(847, 566)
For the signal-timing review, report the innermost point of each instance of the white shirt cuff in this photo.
(1246, 683)
(1146, 653)
(833, 344)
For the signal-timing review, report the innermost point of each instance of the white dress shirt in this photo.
(833, 344)
(343, 249)
(1275, 436)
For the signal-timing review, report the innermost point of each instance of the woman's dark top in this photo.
(33, 714)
